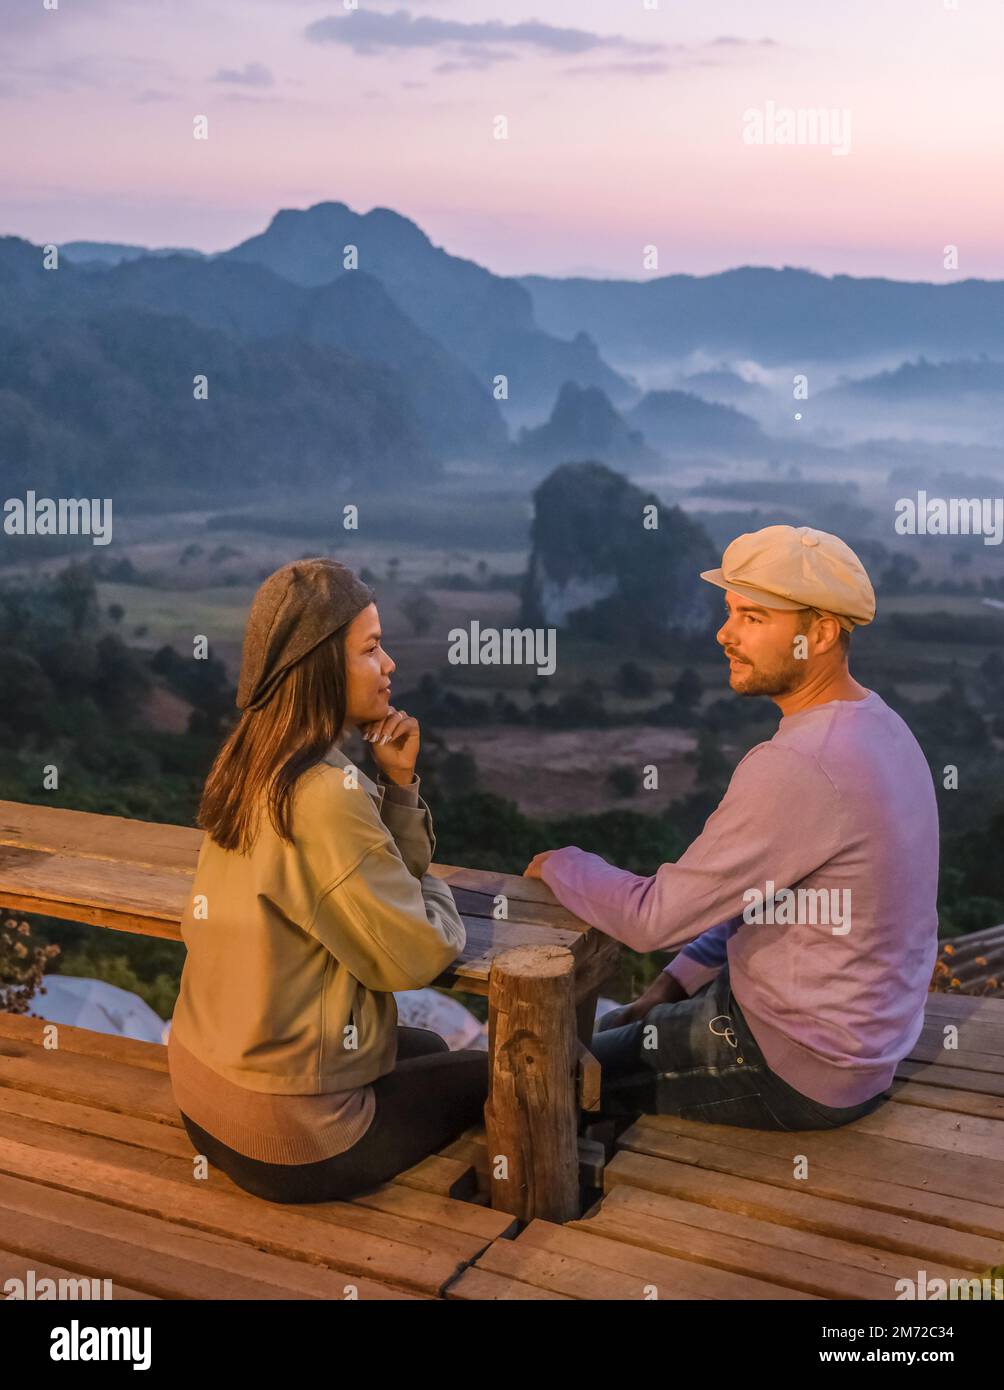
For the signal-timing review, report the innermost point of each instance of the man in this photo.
(811, 891)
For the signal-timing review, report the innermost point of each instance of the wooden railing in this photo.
(971, 964)
(540, 966)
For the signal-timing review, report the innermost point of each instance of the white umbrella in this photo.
(105, 1008)
(97, 1005)
(427, 1008)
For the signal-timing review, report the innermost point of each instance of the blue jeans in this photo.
(704, 1065)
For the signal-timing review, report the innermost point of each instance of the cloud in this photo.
(678, 56)
(18, 18)
(62, 75)
(247, 97)
(744, 43)
(368, 32)
(472, 56)
(651, 68)
(252, 75)
(472, 45)
(95, 71)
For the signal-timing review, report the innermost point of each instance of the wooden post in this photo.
(585, 1016)
(594, 965)
(531, 1118)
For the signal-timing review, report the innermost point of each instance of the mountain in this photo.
(597, 571)
(960, 400)
(457, 412)
(486, 320)
(115, 252)
(101, 404)
(454, 411)
(24, 285)
(922, 380)
(723, 386)
(678, 420)
(772, 316)
(583, 423)
(354, 313)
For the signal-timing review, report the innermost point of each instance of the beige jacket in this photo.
(293, 950)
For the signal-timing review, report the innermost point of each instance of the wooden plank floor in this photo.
(698, 1211)
(96, 1180)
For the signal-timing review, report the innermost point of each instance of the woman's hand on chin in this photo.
(394, 742)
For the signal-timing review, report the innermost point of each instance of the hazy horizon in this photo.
(634, 279)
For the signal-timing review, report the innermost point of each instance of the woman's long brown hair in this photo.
(273, 746)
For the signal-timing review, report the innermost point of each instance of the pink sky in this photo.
(626, 127)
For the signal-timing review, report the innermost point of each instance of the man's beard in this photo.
(780, 679)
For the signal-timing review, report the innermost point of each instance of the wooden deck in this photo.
(96, 1180)
(697, 1211)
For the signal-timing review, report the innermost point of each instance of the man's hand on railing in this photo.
(664, 989)
(535, 865)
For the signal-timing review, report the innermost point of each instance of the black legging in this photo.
(430, 1097)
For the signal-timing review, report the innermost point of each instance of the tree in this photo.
(622, 780)
(895, 579)
(459, 773)
(687, 689)
(76, 591)
(711, 768)
(123, 678)
(634, 682)
(420, 610)
(26, 693)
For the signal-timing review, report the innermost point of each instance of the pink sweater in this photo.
(833, 984)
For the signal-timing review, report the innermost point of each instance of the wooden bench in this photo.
(540, 966)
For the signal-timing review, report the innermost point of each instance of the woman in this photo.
(311, 904)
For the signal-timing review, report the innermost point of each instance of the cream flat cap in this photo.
(791, 567)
